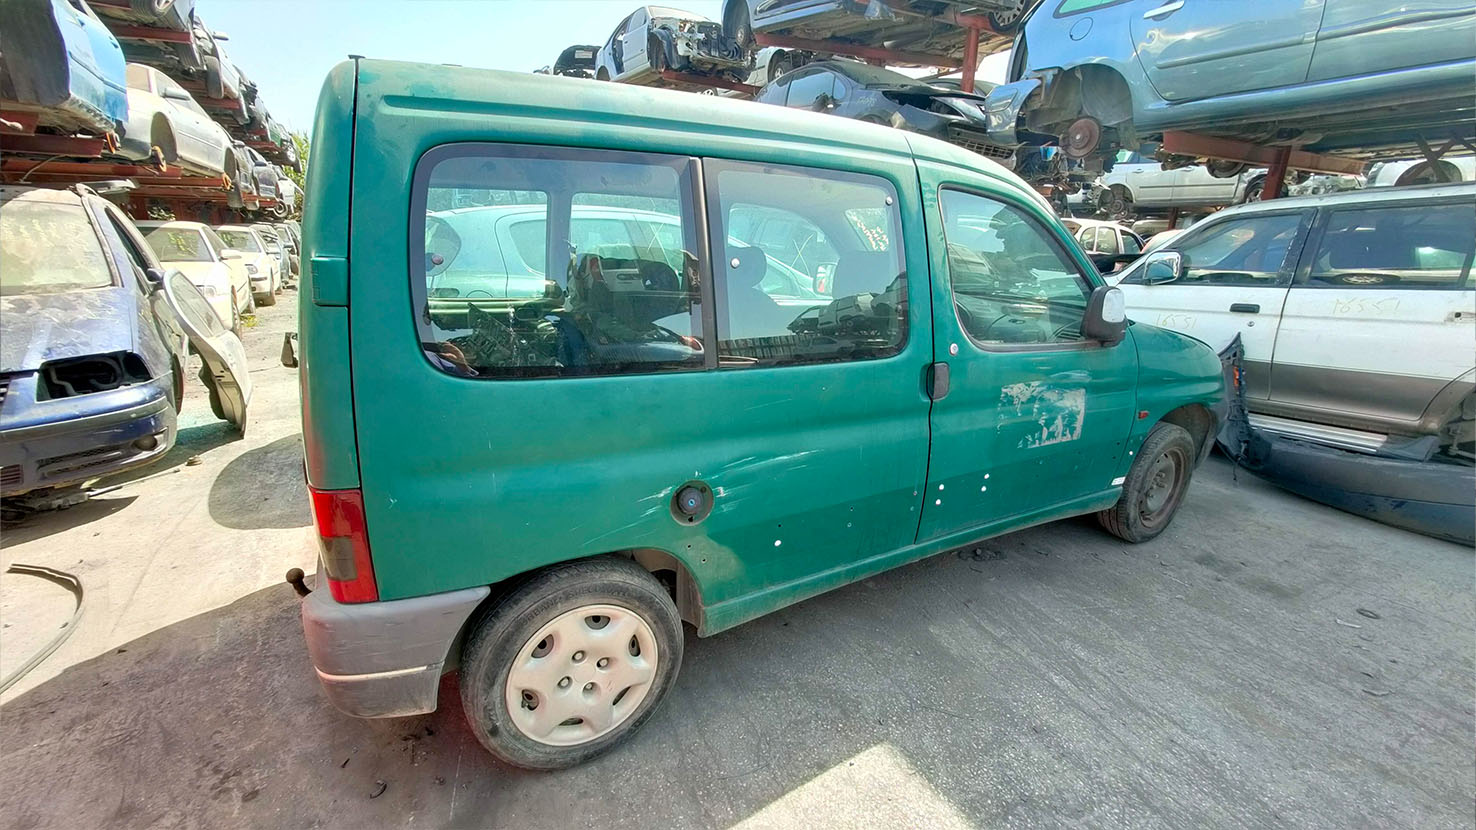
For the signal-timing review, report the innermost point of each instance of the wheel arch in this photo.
(667, 568)
(162, 135)
(1199, 422)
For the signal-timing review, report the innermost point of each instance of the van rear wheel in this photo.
(1155, 485)
(571, 663)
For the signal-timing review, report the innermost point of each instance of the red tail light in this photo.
(344, 538)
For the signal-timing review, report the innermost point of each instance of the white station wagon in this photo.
(1356, 310)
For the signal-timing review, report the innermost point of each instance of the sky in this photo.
(287, 46)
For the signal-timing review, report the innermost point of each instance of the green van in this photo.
(558, 400)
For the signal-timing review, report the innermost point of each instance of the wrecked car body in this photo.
(913, 25)
(653, 39)
(851, 89)
(1434, 497)
(94, 346)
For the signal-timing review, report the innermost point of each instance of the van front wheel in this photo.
(571, 663)
(1155, 485)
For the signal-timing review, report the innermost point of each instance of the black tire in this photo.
(1256, 190)
(266, 299)
(506, 630)
(1155, 485)
(1006, 22)
(737, 25)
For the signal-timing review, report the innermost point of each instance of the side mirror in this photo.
(230, 253)
(1162, 267)
(1106, 316)
(155, 276)
(824, 102)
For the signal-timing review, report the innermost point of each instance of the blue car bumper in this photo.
(56, 443)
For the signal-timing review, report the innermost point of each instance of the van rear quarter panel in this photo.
(329, 441)
(469, 481)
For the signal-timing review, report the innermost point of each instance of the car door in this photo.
(189, 126)
(227, 372)
(1035, 416)
(1194, 186)
(1235, 275)
(1193, 49)
(1146, 180)
(634, 60)
(168, 338)
(1382, 316)
(1363, 37)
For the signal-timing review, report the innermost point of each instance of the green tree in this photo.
(303, 145)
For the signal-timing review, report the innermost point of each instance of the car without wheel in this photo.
(524, 258)
(1138, 182)
(653, 39)
(851, 89)
(920, 26)
(1356, 312)
(166, 125)
(1360, 78)
(94, 347)
(195, 250)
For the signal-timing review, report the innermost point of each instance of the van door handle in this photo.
(1165, 9)
(1245, 308)
(938, 381)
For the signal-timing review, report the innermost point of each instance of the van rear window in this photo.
(548, 262)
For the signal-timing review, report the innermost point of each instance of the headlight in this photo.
(207, 290)
(250, 269)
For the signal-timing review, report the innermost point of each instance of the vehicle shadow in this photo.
(262, 488)
(39, 525)
(188, 443)
(1052, 676)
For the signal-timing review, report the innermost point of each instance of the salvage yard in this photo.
(1268, 661)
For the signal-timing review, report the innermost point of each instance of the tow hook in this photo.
(294, 578)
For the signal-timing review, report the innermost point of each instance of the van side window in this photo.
(1011, 283)
(1250, 251)
(548, 262)
(1422, 246)
(767, 223)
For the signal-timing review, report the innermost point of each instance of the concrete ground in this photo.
(1266, 662)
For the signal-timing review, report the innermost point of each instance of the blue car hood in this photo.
(45, 327)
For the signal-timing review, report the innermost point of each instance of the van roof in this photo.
(461, 90)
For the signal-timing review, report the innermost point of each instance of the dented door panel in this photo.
(1026, 433)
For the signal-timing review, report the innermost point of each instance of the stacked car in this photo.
(157, 91)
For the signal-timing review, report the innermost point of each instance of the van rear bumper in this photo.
(384, 659)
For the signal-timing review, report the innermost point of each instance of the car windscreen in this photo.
(240, 240)
(179, 245)
(49, 248)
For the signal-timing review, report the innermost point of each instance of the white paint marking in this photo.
(1117, 482)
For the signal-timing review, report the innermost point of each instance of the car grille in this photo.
(4, 388)
(979, 143)
(79, 461)
(11, 475)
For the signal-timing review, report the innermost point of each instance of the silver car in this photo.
(656, 38)
(1350, 77)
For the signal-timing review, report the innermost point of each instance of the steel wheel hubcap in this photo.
(1162, 482)
(581, 675)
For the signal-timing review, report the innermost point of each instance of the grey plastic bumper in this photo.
(384, 659)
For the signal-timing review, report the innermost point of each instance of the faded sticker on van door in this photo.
(1056, 413)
